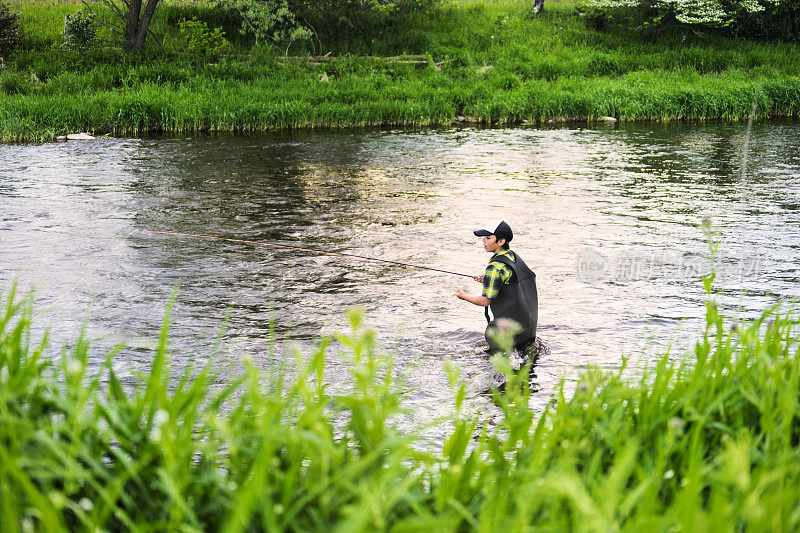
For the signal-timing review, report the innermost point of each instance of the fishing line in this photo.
(321, 252)
(244, 241)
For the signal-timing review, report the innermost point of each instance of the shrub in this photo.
(779, 21)
(80, 30)
(198, 40)
(356, 17)
(742, 17)
(293, 20)
(9, 27)
(275, 21)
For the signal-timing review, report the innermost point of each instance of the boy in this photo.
(509, 289)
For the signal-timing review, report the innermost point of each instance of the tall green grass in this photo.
(708, 441)
(547, 67)
(80, 450)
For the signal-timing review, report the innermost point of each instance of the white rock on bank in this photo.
(79, 137)
(608, 119)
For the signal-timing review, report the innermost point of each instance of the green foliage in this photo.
(551, 67)
(129, 21)
(80, 30)
(219, 15)
(658, 15)
(353, 18)
(43, 23)
(198, 40)
(83, 449)
(9, 27)
(268, 19)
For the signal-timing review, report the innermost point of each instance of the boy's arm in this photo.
(482, 301)
(490, 280)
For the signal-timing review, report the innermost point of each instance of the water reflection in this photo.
(629, 199)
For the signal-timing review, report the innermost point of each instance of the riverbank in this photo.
(483, 62)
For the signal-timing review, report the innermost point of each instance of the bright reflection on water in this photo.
(607, 217)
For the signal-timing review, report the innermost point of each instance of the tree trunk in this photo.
(144, 26)
(137, 24)
(131, 22)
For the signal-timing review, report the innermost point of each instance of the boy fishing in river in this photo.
(509, 290)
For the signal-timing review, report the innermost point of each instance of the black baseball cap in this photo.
(500, 230)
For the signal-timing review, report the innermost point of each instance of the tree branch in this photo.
(108, 3)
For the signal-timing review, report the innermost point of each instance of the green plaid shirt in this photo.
(496, 274)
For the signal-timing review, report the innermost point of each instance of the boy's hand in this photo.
(478, 278)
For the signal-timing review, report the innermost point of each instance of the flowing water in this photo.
(608, 217)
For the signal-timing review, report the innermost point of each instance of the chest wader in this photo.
(517, 301)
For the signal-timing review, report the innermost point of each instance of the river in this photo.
(609, 218)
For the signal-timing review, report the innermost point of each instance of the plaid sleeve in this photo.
(496, 274)
(492, 279)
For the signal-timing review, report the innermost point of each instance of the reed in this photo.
(497, 63)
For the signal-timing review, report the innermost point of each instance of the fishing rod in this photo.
(321, 252)
(260, 243)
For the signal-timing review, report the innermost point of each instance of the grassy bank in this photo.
(489, 62)
(709, 443)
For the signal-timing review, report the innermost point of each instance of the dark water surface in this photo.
(608, 217)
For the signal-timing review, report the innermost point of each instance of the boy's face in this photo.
(492, 244)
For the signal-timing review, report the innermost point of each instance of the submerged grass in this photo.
(497, 62)
(708, 442)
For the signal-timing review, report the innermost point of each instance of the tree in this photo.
(133, 20)
(688, 13)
